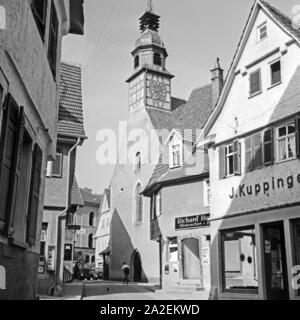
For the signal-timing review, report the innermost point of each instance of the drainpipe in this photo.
(59, 224)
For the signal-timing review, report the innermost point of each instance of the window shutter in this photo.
(237, 158)
(255, 82)
(257, 151)
(222, 163)
(248, 154)
(298, 134)
(33, 208)
(268, 145)
(7, 143)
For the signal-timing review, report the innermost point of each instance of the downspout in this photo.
(59, 220)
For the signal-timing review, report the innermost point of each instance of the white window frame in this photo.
(286, 137)
(259, 31)
(206, 193)
(175, 142)
(227, 155)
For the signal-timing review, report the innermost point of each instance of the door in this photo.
(275, 262)
(137, 267)
(191, 258)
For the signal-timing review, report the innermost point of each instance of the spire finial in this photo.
(218, 66)
(150, 6)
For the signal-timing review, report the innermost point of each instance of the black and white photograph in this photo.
(149, 151)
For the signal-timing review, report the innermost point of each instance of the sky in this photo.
(195, 33)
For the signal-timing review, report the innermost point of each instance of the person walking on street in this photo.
(125, 269)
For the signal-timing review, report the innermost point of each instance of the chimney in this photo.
(217, 82)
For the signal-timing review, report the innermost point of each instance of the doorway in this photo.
(137, 267)
(191, 259)
(275, 262)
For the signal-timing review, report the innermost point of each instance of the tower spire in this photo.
(150, 6)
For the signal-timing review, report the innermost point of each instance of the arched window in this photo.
(93, 259)
(157, 59)
(136, 61)
(138, 204)
(87, 259)
(91, 220)
(91, 240)
(138, 162)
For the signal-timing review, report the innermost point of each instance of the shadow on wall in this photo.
(261, 186)
(122, 250)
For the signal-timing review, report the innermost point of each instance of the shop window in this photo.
(275, 73)
(296, 242)
(239, 260)
(286, 142)
(39, 10)
(53, 39)
(138, 204)
(255, 82)
(262, 32)
(173, 250)
(230, 160)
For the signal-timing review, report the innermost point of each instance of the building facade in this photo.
(87, 217)
(30, 53)
(253, 140)
(103, 235)
(62, 194)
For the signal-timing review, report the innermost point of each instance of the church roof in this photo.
(70, 114)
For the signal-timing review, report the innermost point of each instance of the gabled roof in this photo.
(281, 20)
(70, 114)
(105, 195)
(76, 198)
(90, 198)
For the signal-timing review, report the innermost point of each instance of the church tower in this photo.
(150, 84)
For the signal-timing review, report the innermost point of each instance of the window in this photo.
(53, 38)
(296, 242)
(136, 61)
(87, 259)
(206, 193)
(39, 10)
(138, 204)
(286, 142)
(68, 252)
(57, 165)
(93, 259)
(156, 205)
(157, 59)
(173, 250)
(91, 219)
(255, 82)
(138, 161)
(91, 241)
(175, 152)
(230, 160)
(239, 260)
(275, 73)
(262, 31)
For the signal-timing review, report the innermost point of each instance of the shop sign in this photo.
(205, 255)
(51, 258)
(191, 222)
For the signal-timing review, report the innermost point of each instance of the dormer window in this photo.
(262, 32)
(175, 151)
(157, 59)
(136, 61)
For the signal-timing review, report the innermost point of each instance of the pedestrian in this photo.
(125, 269)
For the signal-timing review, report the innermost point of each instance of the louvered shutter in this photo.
(257, 151)
(237, 158)
(255, 82)
(268, 144)
(248, 154)
(222, 163)
(298, 135)
(34, 195)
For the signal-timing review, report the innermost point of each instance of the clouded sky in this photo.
(195, 32)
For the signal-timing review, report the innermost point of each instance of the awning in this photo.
(76, 17)
(104, 252)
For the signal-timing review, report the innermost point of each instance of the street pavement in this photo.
(109, 290)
